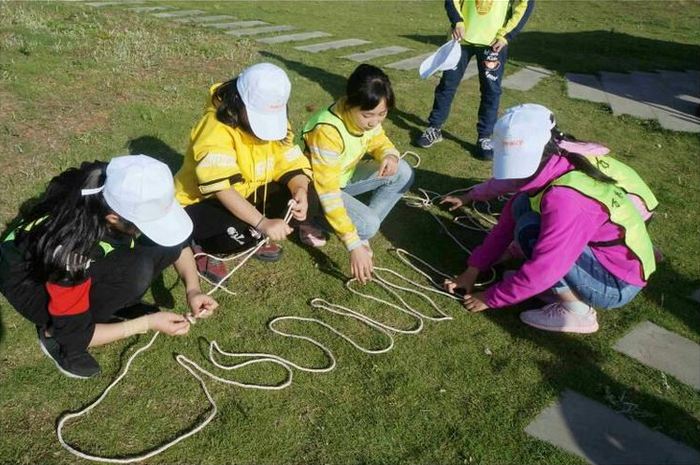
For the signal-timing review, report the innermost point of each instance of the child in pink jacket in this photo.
(585, 241)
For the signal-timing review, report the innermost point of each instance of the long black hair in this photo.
(579, 161)
(367, 86)
(230, 109)
(67, 224)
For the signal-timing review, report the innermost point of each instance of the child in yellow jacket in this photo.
(336, 140)
(242, 167)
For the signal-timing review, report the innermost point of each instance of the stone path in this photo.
(179, 13)
(294, 37)
(206, 19)
(526, 78)
(237, 25)
(259, 30)
(670, 97)
(376, 53)
(315, 48)
(148, 9)
(666, 351)
(603, 436)
(409, 63)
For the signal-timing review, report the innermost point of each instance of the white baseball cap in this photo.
(265, 89)
(445, 58)
(519, 138)
(140, 189)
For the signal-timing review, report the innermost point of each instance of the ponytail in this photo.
(579, 161)
(67, 224)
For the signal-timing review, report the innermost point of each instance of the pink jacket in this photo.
(569, 221)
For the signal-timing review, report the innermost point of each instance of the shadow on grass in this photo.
(156, 148)
(591, 51)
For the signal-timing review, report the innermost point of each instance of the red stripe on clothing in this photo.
(69, 300)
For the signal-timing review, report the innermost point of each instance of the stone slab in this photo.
(695, 296)
(101, 4)
(148, 9)
(664, 350)
(237, 25)
(623, 97)
(315, 48)
(666, 102)
(526, 78)
(259, 30)
(409, 63)
(376, 53)
(294, 37)
(206, 19)
(177, 14)
(602, 436)
(471, 71)
(585, 87)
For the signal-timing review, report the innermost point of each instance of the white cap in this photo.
(445, 58)
(140, 189)
(519, 138)
(265, 89)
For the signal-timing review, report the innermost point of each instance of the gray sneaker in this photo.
(81, 365)
(429, 137)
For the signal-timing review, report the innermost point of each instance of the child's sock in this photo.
(576, 306)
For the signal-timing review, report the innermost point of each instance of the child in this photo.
(582, 236)
(241, 167)
(336, 140)
(76, 259)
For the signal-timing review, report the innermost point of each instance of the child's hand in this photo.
(458, 32)
(201, 305)
(464, 281)
(169, 323)
(498, 44)
(388, 167)
(475, 302)
(275, 229)
(361, 264)
(456, 202)
(302, 205)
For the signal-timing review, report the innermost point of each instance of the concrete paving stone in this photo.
(673, 110)
(376, 53)
(409, 63)
(259, 30)
(101, 4)
(623, 97)
(294, 37)
(695, 296)
(177, 14)
(237, 25)
(471, 71)
(602, 436)
(664, 350)
(526, 78)
(206, 19)
(148, 9)
(585, 87)
(315, 48)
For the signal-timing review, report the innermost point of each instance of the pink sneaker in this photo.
(554, 317)
(312, 236)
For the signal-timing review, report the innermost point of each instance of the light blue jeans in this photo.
(588, 279)
(386, 192)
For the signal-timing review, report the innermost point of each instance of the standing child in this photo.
(242, 168)
(585, 242)
(336, 139)
(77, 258)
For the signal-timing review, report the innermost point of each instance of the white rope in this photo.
(414, 155)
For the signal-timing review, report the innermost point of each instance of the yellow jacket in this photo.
(221, 157)
(324, 145)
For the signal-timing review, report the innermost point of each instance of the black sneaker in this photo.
(80, 365)
(484, 149)
(429, 137)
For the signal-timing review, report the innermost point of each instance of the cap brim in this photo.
(506, 166)
(272, 126)
(445, 58)
(172, 229)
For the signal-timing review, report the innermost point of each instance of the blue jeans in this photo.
(386, 192)
(491, 67)
(588, 279)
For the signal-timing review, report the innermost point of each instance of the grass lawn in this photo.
(81, 83)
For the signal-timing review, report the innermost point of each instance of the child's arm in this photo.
(234, 202)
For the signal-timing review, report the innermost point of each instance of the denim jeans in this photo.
(588, 279)
(491, 67)
(386, 192)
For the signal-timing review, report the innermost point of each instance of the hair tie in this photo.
(96, 190)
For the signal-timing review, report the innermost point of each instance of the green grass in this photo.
(79, 83)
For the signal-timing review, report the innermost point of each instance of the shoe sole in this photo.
(559, 330)
(60, 368)
(268, 258)
(429, 145)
